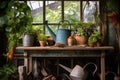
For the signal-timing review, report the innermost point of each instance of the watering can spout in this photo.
(50, 31)
(66, 68)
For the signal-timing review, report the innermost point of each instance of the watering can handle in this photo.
(92, 64)
(64, 21)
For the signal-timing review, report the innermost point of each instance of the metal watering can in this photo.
(61, 34)
(80, 73)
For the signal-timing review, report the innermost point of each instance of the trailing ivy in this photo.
(16, 19)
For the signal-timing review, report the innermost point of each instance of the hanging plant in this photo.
(16, 18)
(113, 11)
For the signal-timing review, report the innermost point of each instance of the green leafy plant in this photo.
(29, 30)
(84, 28)
(41, 37)
(95, 37)
(64, 24)
(92, 38)
(16, 20)
(9, 72)
(81, 32)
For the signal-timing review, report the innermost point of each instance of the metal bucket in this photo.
(28, 40)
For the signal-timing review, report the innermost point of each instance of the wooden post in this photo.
(103, 65)
(22, 73)
(26, 60)
(119, 47)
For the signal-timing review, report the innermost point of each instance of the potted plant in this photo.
(100, 39)
(80, 37)
(42, 38)
(16, 17)
(28, 37)
(95, 39)
(83, 30)
(92, 40)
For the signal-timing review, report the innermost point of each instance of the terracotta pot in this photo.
(98, 44)
(81, 40)
(91, 44)
(71, 41)
(42, 43)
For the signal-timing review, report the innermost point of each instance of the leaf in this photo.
(2, 20)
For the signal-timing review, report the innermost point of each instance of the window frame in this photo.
(62, 11)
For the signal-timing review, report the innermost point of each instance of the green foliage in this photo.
(41, 37)
(54, 15)
(92, 38)
(8, 72)
(72, 12)
(80, 31)
(64, 24)
(87, 24)
(16, 19)
(95, 37)
(29, 30)
(85, 28)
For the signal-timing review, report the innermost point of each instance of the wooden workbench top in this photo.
(65, 48)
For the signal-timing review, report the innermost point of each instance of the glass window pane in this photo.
(72, 10)
(53, 11)
(91, 11)
(37, 10)
(38, 28)
(53, 28)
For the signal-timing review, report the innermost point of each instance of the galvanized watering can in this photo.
(80, 73)
(61, 34)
